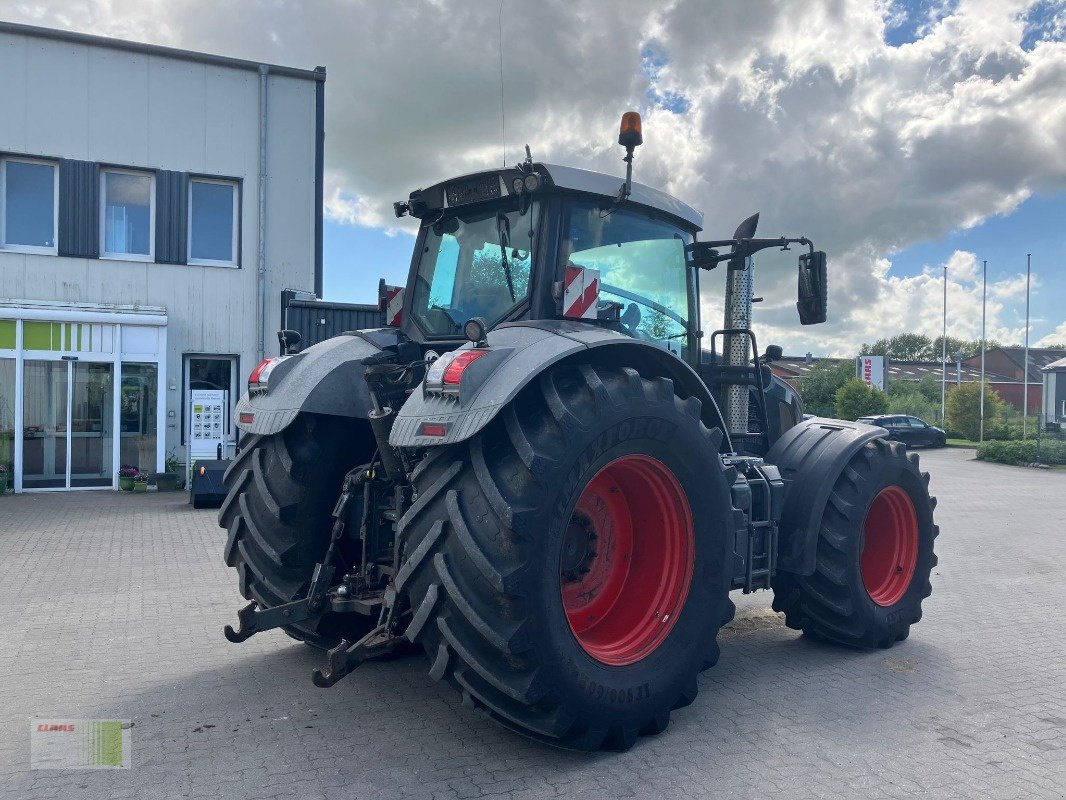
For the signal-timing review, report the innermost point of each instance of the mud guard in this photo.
(326, 378)
(519, 352)
(811, 456)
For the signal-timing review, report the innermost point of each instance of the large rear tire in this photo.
(281, 491)
(874, 554)
(567, 568)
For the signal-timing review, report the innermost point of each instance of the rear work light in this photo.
(260, 377)
(446, 373)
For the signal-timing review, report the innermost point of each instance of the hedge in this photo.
(1016, 452)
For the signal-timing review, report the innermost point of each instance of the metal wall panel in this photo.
(316, 321)
(171, 216)
(79, 218)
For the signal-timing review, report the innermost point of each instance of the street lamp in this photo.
(958, 366)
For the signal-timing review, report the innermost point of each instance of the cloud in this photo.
(1056, 337)
(799, 109)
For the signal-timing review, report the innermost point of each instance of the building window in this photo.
(126, 224)
(213, 222)
(28, 208)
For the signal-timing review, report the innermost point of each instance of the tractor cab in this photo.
(546, 242)
(541, 244)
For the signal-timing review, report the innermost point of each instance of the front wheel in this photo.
(567, 567)
(874, 554)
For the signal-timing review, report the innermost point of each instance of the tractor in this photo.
(544, 472)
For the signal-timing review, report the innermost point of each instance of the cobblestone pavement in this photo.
(113, 607)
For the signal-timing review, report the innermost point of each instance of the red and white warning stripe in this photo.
(581, 289)
(393, 305)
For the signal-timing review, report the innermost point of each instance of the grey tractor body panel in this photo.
(810, 457)
(519, 352)
(326, 378)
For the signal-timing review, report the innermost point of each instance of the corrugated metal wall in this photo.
(317, 321)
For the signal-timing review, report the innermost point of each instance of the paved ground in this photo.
(113, 605)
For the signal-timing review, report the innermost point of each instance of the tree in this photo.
(902, 347)
(855, 399)
(819, 385)
(964, 409)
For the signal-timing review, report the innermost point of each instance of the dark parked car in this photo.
(909, 430)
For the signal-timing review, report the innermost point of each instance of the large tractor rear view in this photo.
(545, 472)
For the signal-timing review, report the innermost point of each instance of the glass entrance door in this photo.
(67, 428)
(91, 421)
(44, 428)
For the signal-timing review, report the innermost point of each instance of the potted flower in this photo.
(171, 480)
(126, 474)
(3, 478)
(140, 482)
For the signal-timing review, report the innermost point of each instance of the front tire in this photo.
(874, 554)
(591, 477)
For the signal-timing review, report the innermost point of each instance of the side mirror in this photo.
(812, 296)
(290, 342)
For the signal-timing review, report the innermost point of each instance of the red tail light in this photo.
(453, 373)
(446, 373)
(258, 380)
(258, 371)
(433, 429)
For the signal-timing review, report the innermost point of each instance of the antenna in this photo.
(503, 117)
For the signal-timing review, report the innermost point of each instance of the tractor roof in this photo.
(488, 184)
(585, 180)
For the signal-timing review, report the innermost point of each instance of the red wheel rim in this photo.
(890, 546)
(627, 559)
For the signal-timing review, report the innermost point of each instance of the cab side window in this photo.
(641, 261)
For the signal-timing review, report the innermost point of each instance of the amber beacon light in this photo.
(629, 134)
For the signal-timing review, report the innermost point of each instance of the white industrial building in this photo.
(154, 204)
(1055, 395)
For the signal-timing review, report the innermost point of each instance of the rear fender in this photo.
(811, 456)
(519, 352)
(326, 378)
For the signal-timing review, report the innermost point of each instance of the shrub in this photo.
(818, 388)
(855, 399)
(1051, 452)
(964, 409)
(1007, 452)
(915, 404)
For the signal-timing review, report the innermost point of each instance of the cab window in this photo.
(473, 264)
(641, 261)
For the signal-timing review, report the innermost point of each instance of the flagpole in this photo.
(944, 355)
(1025, 401)
(984, 344)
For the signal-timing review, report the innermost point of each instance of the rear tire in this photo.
(874, 554)
(281, 491)
(492, 558)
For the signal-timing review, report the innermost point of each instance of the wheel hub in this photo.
(890, 546)
(579, 548)
(627, 558)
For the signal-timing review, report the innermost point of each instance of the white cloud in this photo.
(1056, 337)
(798, 109)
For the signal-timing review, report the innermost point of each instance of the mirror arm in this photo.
(705, 256)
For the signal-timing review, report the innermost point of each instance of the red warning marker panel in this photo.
(581, 290)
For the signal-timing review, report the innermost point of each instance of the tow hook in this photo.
(345, 657)
(252, 619)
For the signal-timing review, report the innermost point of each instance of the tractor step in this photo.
(758, 491)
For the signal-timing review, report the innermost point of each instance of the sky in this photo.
(902, 137)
